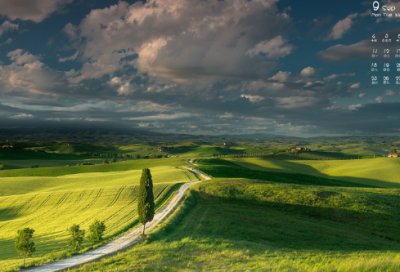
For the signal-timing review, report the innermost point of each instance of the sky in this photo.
(285, 67)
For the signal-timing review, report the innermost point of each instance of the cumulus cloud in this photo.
(281, 76)
(273, 49)
(184, 41)
(7, 26)
(355, 86)
(361, 95)
(308, 71)
(252, 98)
(73, 57)
(334, 76)
(388, 93)
(341, 27)
(34, 10)
(22, 116)
(27, 72)
(20, 56)
(355, 107)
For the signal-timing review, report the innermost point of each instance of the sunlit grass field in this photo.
(68, 170)
(50, 205)
(239, 225)
(383, 172)
(23, 185)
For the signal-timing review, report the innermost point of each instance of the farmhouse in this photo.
(301, 148)
(10, 146)
(393, 155)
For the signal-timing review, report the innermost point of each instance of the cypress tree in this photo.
(146, 198)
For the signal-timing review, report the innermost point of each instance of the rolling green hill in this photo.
(218, 168)
(382, 172)
(50, 214)
(239, 225)
(69, 170)
(51, 204)
(24, 185)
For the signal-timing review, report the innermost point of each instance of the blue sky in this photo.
(289, 67)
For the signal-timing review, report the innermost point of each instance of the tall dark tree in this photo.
(23, 244)
(146, 198)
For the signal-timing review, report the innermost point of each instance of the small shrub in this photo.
(96, 231)
(76, 238)
(1, 166)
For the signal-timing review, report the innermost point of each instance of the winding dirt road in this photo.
(120, 242)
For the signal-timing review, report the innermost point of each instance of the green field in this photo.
(383, 172)
(51, 204)
(69, 170)
(239, 225)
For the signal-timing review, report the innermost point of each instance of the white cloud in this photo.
(252, 98)
(273, 49)
(19, 56)
(308, 71)
(342, 27)
(73, 57)
(355, 86)
(333, 106)
(7, 26)
(295, 102)
(185, 41)
(8, 41)
(379, 99)
(27, 72)
(355, 107)
(334, 76)
(361, 95)
(388, 93)
(34, 10)
(22, 116)
(281, 76)
(162, 117)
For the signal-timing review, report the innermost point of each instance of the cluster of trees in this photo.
(146, 211)
(108, 155)
(393, 150)
(125, 156)
(1, 166)
(26, 247)
(35, 166)
(77, 235)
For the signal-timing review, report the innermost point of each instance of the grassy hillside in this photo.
(24, 185)
(120, 166)
(383, 172)
(234, 225)
(225, 169)
(50, 214)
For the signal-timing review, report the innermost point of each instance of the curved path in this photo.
(120, 242)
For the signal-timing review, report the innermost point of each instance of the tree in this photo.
(96, 230)
(105, 161)
(23, 244)
(393, 150)
(76, 239)
(146, 198)
(114, 159)
(1, 166)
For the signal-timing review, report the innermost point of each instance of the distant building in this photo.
(300, 148)
(393, 155)
(10, 146)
